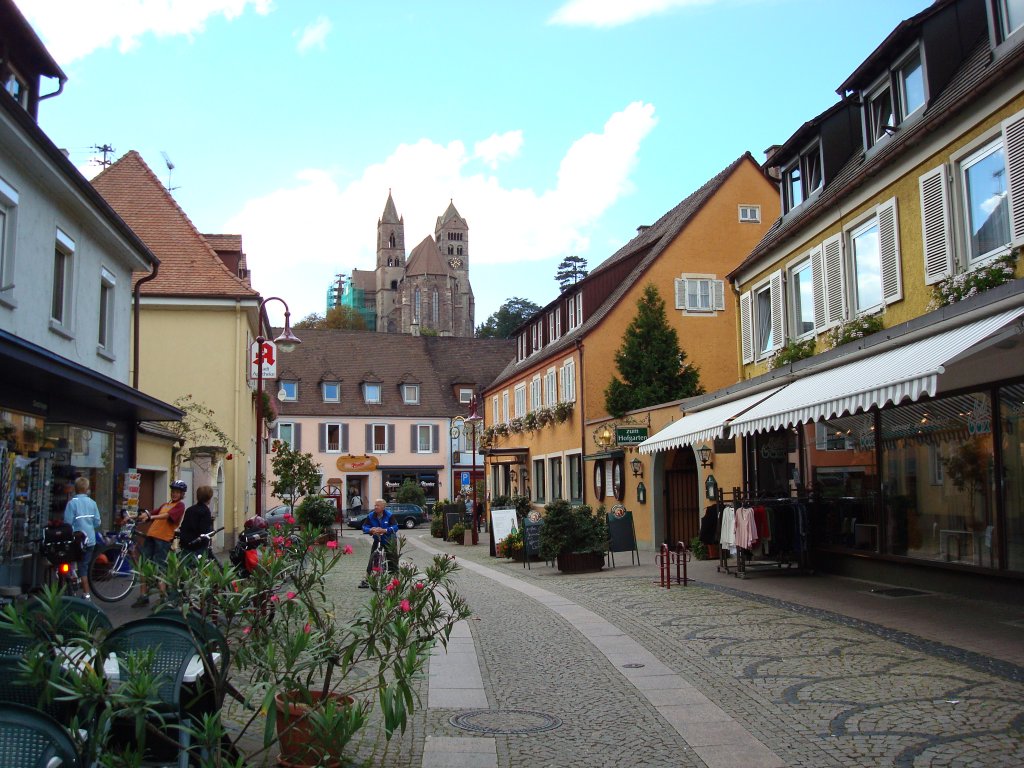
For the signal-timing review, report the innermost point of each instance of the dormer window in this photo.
(465, 394)
(288, 390)
(17, 87)
(881, 118)
(911, 84)
(1011, 16)
(411, 394)
(331, 391)
(371, 393)
(802, 177)
(895, 96)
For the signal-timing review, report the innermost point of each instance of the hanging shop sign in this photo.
(267, 355)
(630, 435)
(356, 463)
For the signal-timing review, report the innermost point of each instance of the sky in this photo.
(557, 127)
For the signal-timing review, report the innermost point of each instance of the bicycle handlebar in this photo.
(207, 537)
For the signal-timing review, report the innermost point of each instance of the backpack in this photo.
(60, 543)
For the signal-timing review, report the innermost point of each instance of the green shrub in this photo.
(456, 533)
(793, 351)
(700, 552)
(437, 527)
(316, 511)
(572, 529)
(410, 493)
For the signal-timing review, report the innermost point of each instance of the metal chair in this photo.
(173, 647)
(32, 739)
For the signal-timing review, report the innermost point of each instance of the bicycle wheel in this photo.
(111, 575)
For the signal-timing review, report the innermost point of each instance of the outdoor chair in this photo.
(174, 648)
(32, 739)
(209, 694)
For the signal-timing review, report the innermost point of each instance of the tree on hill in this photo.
(338, 318)
(571, 270)
(650, 361)
(513, 313)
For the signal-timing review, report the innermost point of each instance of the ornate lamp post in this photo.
(473, 420)
(286, 342)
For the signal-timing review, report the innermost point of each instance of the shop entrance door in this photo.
(682, 500)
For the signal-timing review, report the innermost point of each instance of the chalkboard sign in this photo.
(451, 518)
(621, 533)
(531, 539)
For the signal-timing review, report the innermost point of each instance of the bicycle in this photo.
(63, 552)
(205, 552)
(113, 574)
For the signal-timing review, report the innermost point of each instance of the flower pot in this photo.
(298, 744)
(580, 562)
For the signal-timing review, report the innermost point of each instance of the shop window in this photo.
(575, 475)
(538, 481)
(1011, 420)
(555, 473)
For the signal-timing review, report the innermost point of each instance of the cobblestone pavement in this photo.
(816, 687)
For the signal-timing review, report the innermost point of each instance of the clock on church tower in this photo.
(455, 262)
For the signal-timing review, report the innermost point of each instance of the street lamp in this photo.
(473, 419)
(286, 342)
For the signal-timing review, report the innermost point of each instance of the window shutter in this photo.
(746, 329)
(323, 437)
(718, 287)
(434, 442)
(391, 438)
(778, 316)
(832, 260)
(413, 443)
(680, 293)
(298, 437)
(344, 438)
(818, 287)
(889, 251)
(935, 228)
(1013, 141)
(369, 439)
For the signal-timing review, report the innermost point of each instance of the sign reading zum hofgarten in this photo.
(630, 435)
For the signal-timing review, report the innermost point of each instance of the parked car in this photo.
(277, 514)
(406, 515)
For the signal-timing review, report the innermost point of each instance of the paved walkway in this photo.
(609, 669)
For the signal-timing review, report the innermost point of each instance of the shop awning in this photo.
(905, 372)
(703, 425)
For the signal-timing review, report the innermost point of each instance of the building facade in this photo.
(427, 291)
(550, 434)
(894, 272)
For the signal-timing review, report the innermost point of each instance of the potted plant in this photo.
(457, 533)
(573, 536)
(318, 513)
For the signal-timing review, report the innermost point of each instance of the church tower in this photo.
(390, 267)
(452, 236)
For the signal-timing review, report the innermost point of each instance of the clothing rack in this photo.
(762, 534)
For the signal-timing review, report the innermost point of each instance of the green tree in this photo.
(571, 270)
(650, 361)
(409, 492)
(337, 318)
(509, 316)
(198, 427)
(295, 474)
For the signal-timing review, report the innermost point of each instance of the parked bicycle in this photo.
(200, 548)
(114, 571)
(63, 551)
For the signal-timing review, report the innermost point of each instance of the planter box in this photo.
(580, 562)
(467, 537)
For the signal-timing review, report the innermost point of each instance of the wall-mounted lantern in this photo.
(704, 454)
(638, 467)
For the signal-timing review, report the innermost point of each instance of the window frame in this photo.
(851, 233)
(994, 143)
(504, 406)
(290, 387)
(569, 381)
(536, 393)
(105, 315)
(337, 391)
(793, 303)
(1003, 19)
(415, 391)
(62, 290)
(429, 430)
(539, 481)
(753, 210)
(899, 75)
(465, 395)
(575, 478)
(372, 448)
(519, 402)
(9, 199)
(550, 386)
(327, 436)
(370, 387)
(557, 487)
(283, 425)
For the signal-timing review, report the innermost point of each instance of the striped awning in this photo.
(700, 426)
(902, 373)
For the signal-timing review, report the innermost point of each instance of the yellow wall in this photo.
(203, 351)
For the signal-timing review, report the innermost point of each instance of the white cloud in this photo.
(297, 238)
(498, 147)
(614, 13)
(315, 35)
(72, 29)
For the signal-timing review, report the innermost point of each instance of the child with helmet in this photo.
(160, 533)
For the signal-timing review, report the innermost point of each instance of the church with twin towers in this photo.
(426, 292)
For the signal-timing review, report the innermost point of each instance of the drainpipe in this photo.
(583, 422)
(135, 320)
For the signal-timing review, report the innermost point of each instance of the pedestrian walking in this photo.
(159, 535)
(82, 514)
(382, 526)
(197, 520)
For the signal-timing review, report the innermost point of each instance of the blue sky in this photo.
(556, 127)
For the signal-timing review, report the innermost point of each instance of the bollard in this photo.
(663, 566)
(684, 556)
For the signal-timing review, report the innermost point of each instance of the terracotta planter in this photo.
(299, 747)
(580, 562)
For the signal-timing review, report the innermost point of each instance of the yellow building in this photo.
(546, 413)
(880, 317)
(198, 320)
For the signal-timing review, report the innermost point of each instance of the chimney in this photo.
(769, 154)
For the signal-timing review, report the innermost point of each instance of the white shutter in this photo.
(818, 287)
(778, 326)
(746, 329)
(680, 293)
(1013, 141)
(718, 289)
(889, 251)
(935, 228)
(832, 260)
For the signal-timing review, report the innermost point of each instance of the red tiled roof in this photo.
(188, 264)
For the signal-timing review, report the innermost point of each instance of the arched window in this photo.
(416, 305)
(460, 250)
(391, 240)
(450, 250)
(435, 307)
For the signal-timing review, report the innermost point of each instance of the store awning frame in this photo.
(907, 372)
(701, 426)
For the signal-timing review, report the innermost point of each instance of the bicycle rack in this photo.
(679, 556)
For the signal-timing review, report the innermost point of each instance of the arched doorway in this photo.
(682, 500)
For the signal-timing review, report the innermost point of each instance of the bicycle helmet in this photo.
(179, 485)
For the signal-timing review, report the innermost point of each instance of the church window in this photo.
(460, 250)
(391, 240)
(435, 306)
(394, 285)
(416, 305)
(451, 250)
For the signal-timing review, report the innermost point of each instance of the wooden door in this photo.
(682, 508)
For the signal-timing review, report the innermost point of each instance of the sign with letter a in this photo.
(267, 355)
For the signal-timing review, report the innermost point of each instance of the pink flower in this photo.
(404, 605)
(277, 526)
(290, 595)
(332, 545)
(246, 630)
(278, 541)
(389, 588)
(419, 585)
(274, 598)
(348, 549)
(395, 582)
(376, 569)
(307, 629)
(289, 519)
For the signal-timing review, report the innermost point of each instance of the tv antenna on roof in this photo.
(170, 168)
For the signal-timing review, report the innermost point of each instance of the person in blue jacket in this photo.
(83, 516)
(382, 526)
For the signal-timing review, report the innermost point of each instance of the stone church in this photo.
(426, 292)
